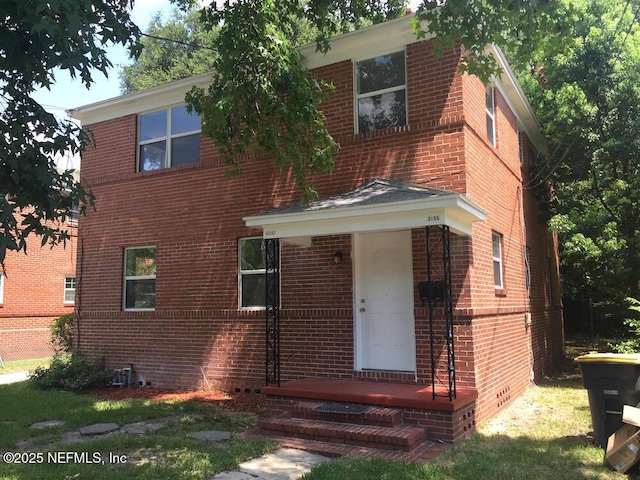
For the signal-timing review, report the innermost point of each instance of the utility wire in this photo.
(172, 40)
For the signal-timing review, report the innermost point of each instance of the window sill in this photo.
(501, 292)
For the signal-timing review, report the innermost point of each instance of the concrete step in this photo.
(375, 416)
(399, 437)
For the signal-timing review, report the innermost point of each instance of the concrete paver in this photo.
(6, 378)
(283, 464)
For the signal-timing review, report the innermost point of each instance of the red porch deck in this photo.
(399, 395)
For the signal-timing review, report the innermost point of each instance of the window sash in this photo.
(373, 122)
(69, 289)
(156, 152)
(490, 109)
(496, 246)
(139, 288)
(251, 279)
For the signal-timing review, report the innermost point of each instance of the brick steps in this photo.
(375, 416)
(399, 437)
(421, 453)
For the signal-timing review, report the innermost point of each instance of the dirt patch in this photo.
(240, 402)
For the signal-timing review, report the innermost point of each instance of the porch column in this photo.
(272, 304)
(439, 281)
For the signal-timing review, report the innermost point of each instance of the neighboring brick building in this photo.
(38, 288)
(419, 277)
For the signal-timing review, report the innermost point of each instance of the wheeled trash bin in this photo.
(612, 380)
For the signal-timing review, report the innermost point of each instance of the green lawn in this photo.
(544, 435)
(24, 365)
(166, 453)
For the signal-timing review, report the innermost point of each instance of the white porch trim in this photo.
(378, 205)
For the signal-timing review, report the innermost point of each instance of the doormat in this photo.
(346, 408)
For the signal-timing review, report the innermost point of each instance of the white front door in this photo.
(385, 331)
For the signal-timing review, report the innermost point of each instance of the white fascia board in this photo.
(154, 98)
(518, 103)
(379, 39)
(452, 210)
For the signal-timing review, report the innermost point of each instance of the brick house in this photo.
(38, 288)
(422, 279)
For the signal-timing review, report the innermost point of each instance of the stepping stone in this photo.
(47, 424)
(98, 429)
(212, 435)
(140, 428)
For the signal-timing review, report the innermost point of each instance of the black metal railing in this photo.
(440, 303)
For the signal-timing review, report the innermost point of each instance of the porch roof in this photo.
(376, 205)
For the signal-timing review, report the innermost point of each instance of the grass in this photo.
(166, 453)
(14, 366)
(544, 434)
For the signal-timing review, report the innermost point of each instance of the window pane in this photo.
(251, 255)
(140, 262)
(185, 150)
(382, 111)
(69, 296)
(497, 274)
(141, 294)
(488, 99)
(183, 122)
(490, 132)
(152, 156)
(70, 282)
(153, 125)
(253, 290)
(381, 72)
(496, 245)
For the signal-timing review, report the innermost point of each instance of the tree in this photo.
(170, 51)
(36, 37)
(277, 115)
(588, 100)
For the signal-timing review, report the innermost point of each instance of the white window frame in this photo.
(166, 138)
(1, 288)
(69, 290)
(359, 96)
(242, 272)
(527, 268)
(490, 111)
(127, 278)
(497, 239)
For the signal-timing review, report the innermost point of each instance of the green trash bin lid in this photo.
(627, 358)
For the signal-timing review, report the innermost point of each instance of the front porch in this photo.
(355, 417)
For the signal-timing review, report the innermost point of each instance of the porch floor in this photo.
(400, 395)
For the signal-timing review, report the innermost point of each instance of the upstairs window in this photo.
(381, 92)
(69, 290)
(167, 138)
(491, 114)
(140, 278)
(496, 244)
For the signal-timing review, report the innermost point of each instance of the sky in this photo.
(67, 93)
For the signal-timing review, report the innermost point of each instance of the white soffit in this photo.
(377, 205)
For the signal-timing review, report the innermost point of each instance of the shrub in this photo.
(62, 334)
(72, 372)
(631, 345)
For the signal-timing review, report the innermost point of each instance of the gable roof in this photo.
(376, 205)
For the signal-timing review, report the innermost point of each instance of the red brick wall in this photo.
(508, 353)
(193, 215)
(34, 297)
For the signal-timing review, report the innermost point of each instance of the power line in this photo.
(172, 40)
